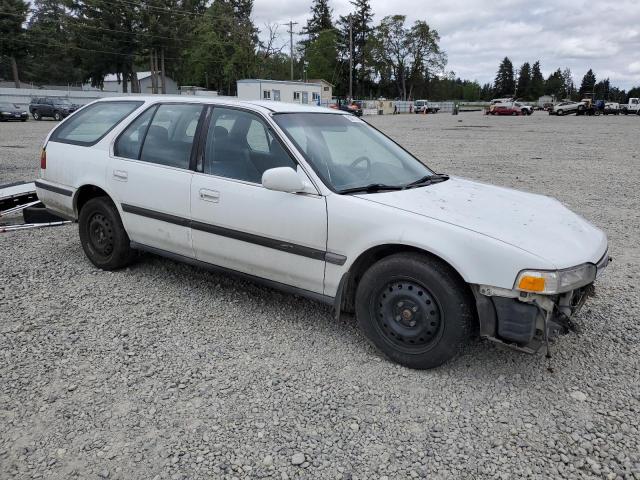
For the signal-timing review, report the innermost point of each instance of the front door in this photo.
(150, 177)
(239, 224)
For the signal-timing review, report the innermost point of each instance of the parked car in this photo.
(425, 106)
(567, 107)
(54, 107)
(505, 109)
(525, 109)
(319, 203)
(12, 111)
(352, 107)
(632, 107)
(611, 108)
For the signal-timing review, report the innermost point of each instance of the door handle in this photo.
(209, 195)
(120, 175)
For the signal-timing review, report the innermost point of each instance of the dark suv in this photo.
(55, 107)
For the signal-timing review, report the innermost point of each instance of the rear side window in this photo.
(90, 124)
(170, 136)
(129, 143)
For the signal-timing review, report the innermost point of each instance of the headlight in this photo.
(5, 113)
(555, 281)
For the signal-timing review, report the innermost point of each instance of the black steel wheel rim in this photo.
(101, 234)
(408, 316)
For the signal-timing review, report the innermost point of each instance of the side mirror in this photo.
(282, 179)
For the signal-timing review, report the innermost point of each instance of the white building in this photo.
(279, 91)
(111, 84)
(326, 94)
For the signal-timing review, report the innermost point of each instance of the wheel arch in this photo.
(345, 296)
(86, 193)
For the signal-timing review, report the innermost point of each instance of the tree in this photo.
(321, 56)
(225, 46)
(50, 61)
(588, 83)
(570, 88)
(362, 35)
(523, 88)
(320, 19)
(504, 84)
(13, 14)
(536, 87)
(406, 55)
(555, 85)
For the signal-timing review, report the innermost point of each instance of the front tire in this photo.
(103, 237)
(414, 309)
(36, 116)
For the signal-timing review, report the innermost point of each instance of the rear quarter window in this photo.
(90, 124)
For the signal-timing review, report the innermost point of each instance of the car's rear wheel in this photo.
(57, 116)
(103, 237)
(414, 309)
(36, 116)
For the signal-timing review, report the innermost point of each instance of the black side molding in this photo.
(275, 244)
(52, 188)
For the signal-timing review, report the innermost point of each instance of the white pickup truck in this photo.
(633, 107)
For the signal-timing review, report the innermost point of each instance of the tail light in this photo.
(43, 159)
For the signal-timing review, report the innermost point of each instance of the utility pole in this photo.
(350, 58)
(290, 25)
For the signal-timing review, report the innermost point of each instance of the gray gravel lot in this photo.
(168, 371)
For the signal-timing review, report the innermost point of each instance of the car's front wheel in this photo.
(415, 309)
(36, 116)
(103, 237)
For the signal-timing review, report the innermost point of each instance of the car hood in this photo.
(537, 224)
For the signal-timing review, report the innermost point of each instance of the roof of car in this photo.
(272, 106)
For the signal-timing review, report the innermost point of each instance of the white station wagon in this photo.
(317, 202)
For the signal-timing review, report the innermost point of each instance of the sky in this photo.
(477, 34)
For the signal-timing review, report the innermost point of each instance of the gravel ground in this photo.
(168, 371)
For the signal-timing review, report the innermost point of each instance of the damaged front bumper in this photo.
(526, 321)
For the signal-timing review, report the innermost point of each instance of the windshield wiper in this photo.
(428, 180)
(372, 188)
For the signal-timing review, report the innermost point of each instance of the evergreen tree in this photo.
(588, 83)
(224, 47)
(504, 84)
(523, 89)
(570, 88)
(321, 56)
(50, 60)
(13, 45)
(555, 85)
(536, 87)
(320, 19)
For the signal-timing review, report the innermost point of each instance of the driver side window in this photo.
(240, 146)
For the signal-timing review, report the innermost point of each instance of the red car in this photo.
(504, 110)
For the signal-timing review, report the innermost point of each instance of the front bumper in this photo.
(526, 321)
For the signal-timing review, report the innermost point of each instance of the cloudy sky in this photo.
(478, 34)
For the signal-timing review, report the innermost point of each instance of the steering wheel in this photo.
(360, 160)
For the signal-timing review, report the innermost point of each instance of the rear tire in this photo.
(57, 116)
(103, 237)
(414, 309)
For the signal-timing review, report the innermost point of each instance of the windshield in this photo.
(62, 101)
(7, 106)
(347, 153)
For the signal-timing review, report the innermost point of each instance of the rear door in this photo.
(239, 224)
(150, 176)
